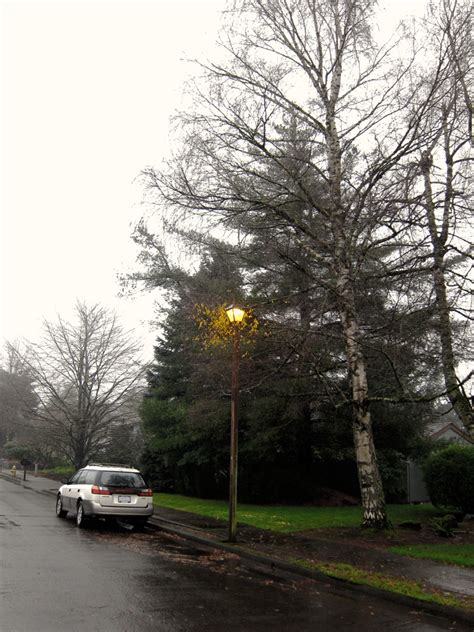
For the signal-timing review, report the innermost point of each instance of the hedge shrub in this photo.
(449, 477)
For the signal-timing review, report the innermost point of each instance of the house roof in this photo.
(453, 428)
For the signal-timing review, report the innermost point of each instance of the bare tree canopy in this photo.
(445, 171)
(86, 375)
(17, 398)
(307, 132)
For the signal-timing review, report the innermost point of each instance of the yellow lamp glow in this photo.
(235, 314)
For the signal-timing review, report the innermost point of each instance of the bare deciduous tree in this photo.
(17, 398)
(311, 66)
(86, 375)
(445, 169)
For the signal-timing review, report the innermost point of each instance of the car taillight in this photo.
(145, 492)
(103, 491)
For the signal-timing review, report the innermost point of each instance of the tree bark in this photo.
(371, 488)
(370, 482)
(458, 398)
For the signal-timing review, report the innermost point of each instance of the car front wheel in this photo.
(60, 512)
(81, 519)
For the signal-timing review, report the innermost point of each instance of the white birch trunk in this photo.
(371, 488)
(459, 400)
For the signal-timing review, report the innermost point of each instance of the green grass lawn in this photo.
(460, 554)
(398, 585)
(287, 518)
(63, 472)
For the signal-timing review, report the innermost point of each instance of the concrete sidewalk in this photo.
(37, 483)
(279, 551)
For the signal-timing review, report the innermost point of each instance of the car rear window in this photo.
(120, 479)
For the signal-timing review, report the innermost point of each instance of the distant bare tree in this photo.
(86, 375)
(17, 397)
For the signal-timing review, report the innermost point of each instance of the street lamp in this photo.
(235, 315)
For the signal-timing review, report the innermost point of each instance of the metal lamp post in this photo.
(235, 315)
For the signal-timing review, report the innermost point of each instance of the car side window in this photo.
(81, 478)
(90, 477)
(75, 478)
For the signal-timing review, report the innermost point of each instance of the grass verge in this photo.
(288, 518)
(58, 473)
(459, 554)
(406, 587)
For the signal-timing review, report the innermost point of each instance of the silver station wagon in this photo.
(106, 491)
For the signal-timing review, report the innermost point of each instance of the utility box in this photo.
(416, 488)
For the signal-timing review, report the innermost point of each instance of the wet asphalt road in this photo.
(55, 577)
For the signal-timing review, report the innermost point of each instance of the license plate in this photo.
(125, 499)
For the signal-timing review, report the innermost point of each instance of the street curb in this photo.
(11, 479)
(19, 481)
(335, 582)
(275, 564)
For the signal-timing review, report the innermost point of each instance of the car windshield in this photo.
(120, 479)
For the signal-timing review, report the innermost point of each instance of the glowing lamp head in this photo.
(235, 314)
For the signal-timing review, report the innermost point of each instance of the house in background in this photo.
(415, 485)
(453, 433)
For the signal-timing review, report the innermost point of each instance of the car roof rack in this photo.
(130, 467)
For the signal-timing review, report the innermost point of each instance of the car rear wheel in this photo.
(60, 512)
(140, 523)
(81, 518)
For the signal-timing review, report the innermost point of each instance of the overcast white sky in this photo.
(87, 91)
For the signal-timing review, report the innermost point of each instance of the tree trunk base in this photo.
(375, 519)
